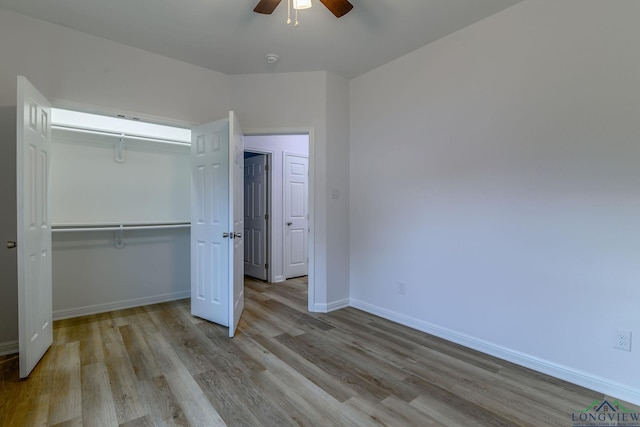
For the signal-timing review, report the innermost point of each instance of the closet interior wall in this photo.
(120, 207)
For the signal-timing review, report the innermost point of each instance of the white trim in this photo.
(312, 171)
(319, 308)
(9, 347)
(337, 305)
(332, 306)
(119, 305)
(581, 378)
(278, 279)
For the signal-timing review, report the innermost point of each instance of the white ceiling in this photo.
(227, 36)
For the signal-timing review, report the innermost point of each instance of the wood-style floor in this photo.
(158, 365)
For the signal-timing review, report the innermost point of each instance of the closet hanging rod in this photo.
(121, 227)
(117, 224)
(121, 135)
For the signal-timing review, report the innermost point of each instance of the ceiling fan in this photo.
(337, 7)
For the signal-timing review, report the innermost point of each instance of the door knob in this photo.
(225, 235)
(289, 223)
(11, 244)
(237, 235)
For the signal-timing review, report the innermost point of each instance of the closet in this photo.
(120, 209)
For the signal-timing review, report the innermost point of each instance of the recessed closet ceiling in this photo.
(227, 36)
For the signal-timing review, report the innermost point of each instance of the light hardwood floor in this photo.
(158, 365)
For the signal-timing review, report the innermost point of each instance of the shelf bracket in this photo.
(119, 155)
(118, 238)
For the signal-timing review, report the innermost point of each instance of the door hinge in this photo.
(266, 217)
(266, 167)
(266, 266)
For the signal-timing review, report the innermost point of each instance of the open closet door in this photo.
(35, 308)
(217, 161)
(236, 176)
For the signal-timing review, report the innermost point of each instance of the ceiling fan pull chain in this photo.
(288, 12)
(297, 23)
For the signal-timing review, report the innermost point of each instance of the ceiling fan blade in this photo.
(266, 6)
(338, 7)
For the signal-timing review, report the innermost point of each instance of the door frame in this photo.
(310, 132)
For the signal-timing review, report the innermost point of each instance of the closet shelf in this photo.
(58, 228)
(121, 135)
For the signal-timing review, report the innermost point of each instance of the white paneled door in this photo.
(33, 158)
(255, 216)
(217, 160)
(296, 216)
(236, 177)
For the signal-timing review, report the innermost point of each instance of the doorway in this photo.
(279, 147)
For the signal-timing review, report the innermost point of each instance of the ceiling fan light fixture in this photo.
(301, 4)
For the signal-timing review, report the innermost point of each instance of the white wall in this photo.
(89, 187)
(301, 100)
(152, 184)
(82, 71)
(8, 258)
(76, 69)
(338, 191)
(73, 68)
(277, 146)
(90, 275)
(495, 172)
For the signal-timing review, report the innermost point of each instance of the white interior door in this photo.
(236, 213)
(255, 217)
(296, 210)
(35, 308)
(217, 287)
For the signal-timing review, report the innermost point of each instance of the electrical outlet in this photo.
(623, 339)
(402, 288)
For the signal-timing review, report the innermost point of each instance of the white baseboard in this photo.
(332, 306)
(278, 279)
(118, 305)
(319, 308)
(9, 347)
(337, 305)
(584, 379)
